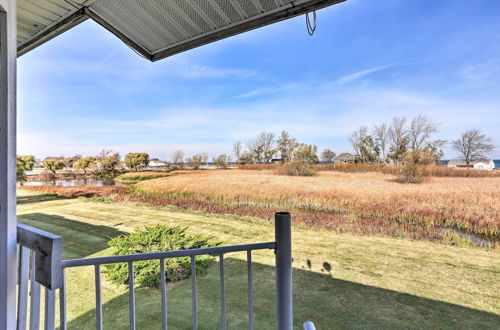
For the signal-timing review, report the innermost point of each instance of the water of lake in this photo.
(75, 183)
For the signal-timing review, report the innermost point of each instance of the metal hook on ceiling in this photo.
(311, 27)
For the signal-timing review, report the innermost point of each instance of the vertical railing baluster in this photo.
(50, 309)
(22, 301)
(131, 295)
(222, 293)
(250, 290)
(193, 293)
(98, 302)
(62, 302)
(163, 295)
(35, 298)
(283, 235)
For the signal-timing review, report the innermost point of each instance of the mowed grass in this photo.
(356, 202)
(374, 282)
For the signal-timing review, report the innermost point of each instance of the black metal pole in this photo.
(283, 233)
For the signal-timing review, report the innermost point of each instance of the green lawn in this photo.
(374, 282)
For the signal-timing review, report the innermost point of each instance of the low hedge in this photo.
(156, 239)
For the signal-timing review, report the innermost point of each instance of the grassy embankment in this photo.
(134, 177)
(375, 282)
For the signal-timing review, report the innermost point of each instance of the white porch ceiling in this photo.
(155, 28)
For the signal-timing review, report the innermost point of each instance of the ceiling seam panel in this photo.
(124, 38)
(238, 8)
(168, 17)
(166, 30)
(153, 31)
(218, 30)
(221, 12)
(133, 34)
(199, 10)
(57, 4)
(258, 6)
(287, 11)
(174, 18)
(187, 17)
(278, 3)
(249, 7)
(32, 15)
(96, 16)
(48, 32)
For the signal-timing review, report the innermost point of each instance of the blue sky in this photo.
(367, 62)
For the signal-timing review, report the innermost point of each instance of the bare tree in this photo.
(397, 130)
(178, 158)
(381, 134)
(106, 153)
(197, 160)
(420, 131)
(327, 156)
(398, 139)
(222, 161)
(262, 147)
(204, 157)
(237, 149)
(357, 137)
(286, 146)
(473, 145)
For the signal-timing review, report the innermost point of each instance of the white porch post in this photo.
(8, 239)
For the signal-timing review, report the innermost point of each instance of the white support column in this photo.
(8, 239)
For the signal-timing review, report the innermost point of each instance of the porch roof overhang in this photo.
(155, 28)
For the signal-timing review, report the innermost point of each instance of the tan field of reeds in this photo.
(442, 208)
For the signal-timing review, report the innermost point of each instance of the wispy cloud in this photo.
(269, 90)
(361, 74)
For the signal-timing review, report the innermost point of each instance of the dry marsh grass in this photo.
(356, 202)
(458, 211)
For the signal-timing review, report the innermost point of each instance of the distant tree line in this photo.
(400, 139)
(266, 148)
(410, 143)
(394, 141)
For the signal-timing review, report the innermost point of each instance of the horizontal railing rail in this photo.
(167, 254)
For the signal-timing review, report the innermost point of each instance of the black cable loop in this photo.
(311, 27)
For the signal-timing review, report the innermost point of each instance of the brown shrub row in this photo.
(80, 191)
(431, 170)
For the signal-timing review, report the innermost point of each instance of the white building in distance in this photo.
(479, 164)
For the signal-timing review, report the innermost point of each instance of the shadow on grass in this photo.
(80, 239)
(29, 199)
(329, 302)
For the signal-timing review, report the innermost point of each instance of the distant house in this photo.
(38, 164)
(276, 160)
(480, 164)
(155, 162)
(345, 158)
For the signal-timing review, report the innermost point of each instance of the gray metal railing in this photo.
(282, 247)
(161, 256)
(47, 269)
(39, 265)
